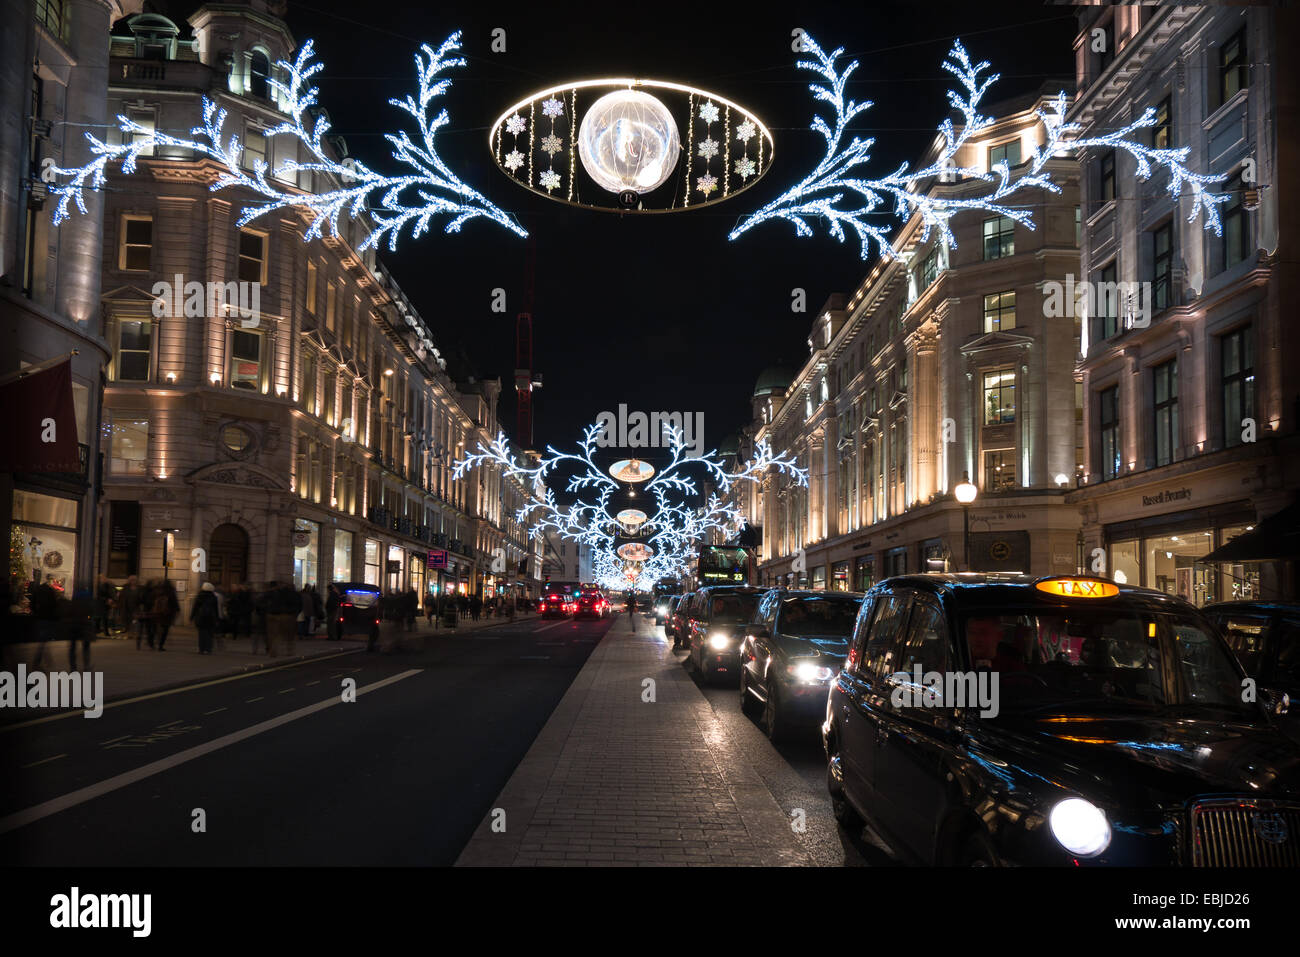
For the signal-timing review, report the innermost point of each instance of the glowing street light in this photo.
(965, 492)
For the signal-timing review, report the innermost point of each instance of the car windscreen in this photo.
(734, 606)
(361, 599)
(816, 617)
(1090, 658)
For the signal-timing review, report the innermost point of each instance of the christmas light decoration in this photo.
(823, 193)
(437, 190)
(668, 532)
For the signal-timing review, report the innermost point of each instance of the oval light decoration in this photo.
(632, 470)
(635, 552)
(631, 145)
(631, 517)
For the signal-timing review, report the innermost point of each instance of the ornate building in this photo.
(942, 364)
(1190, 410)
(275, 409)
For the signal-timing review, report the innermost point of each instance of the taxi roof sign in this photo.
(1078, 587)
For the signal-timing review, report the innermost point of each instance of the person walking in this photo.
(129, 607)
(241, 612)
(332, 601)
(475, 607)
(317, 611)
(81, 626)
(410, 608)
(105, 598)
(166, 606)
(286, 605)
(306, 608)
(262, 616)
(206, 614)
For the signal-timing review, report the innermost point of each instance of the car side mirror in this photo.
(1277, 702)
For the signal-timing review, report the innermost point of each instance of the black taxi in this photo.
(985, 719)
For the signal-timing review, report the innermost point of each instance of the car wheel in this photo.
(978, 851)
(846, 816)
(775, 724)
(748, 703)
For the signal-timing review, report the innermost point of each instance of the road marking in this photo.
(80, 796)
(310, 683)
(251, 700)
(120, 738)
(160, 694)
(286, 690)
(549, 627)
(213, 711)
(43, 761)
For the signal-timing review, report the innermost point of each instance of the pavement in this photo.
(635, 768)
(128, 671)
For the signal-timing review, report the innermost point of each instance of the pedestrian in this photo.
(80, 623)
(166, 606)
(148, 595)
(206, 614)
(475, 606)
(410, 608)
(431, 610)
(317, 610)
(332, 601)
(105, 598)
(262, 614)
(241, 612)
(306, 607)
(130, 602)
(285, 605)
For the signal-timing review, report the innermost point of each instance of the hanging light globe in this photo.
(628, 140)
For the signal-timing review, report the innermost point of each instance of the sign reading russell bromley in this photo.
(1168, 495)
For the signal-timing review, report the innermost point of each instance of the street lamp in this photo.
(965, 492)
(167, 543)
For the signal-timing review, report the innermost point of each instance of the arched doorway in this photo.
(227, 556)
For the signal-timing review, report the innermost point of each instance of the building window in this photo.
(136, 248)
(1008, 153)
(259, 75)
(236, 439)
(1000, 311)
(1162, 266)
(1236, 225)
(1237, 357)
(246, 360)
(348, 326)
(1162, 134)
(307, 389)
(999, 237)
(1106, 322)
(930, 268)
(311, 287)
(330, 382)
(331, 302)
(1000, 470)
(134, 338)
(1108, 423)
(342, 555)
(146, 124)
(1106, 176)
(52, 15)
(372, 562)
(252, 256)
(1000, 396)
(129, 446)
(254, 147)
(1233, 69)
(1165, 378)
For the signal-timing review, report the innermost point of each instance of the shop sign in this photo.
(1166, 496)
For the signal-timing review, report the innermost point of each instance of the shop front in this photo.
(306, 553)
(43, 541)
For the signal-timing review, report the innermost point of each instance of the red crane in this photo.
(525, 381)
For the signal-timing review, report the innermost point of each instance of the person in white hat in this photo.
(205, 615)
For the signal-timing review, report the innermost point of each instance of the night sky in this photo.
(660, 312)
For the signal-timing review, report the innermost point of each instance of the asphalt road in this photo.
(286, 773)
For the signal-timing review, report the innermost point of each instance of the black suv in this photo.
(790, 654)
(994, 719)
(715, 623)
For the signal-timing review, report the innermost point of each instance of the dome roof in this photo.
(774, 379)
(730, 445)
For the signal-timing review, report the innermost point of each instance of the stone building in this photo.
(304, 427)
(1191, 397)
(942, 364)
(53, 78)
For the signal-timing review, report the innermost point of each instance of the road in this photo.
(399, 777)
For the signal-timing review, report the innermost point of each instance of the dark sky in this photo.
(660, 312)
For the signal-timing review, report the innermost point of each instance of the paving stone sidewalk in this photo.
(613, 780)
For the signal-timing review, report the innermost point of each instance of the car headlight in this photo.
(807, 671)
(1080, 827)
(719, 641)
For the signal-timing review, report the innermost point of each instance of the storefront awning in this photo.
(43, 419)
(1273, 539)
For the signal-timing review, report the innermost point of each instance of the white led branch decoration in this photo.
(672, 529)
(832, 192)
(395, 203)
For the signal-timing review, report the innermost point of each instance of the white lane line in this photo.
(549, 627)
(310, 683)
(251, 700)
(287, 690)
(43, 761)
(213, 711)
(72, 799)
(159, 694)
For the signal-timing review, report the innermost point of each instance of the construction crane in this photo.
(525, 380)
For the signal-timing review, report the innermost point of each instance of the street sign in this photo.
(437, 558)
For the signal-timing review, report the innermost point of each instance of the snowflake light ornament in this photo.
(709, 112)
(514, 159)
(549, 179)
(707, 183)
(516, 124)
(708, 148)
(363, 191)
(552, 144)
(745, 131)
(552, 108)
(745, 168)
(843, 200)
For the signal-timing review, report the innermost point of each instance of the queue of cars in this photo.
(995, 719)
(567, 599)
